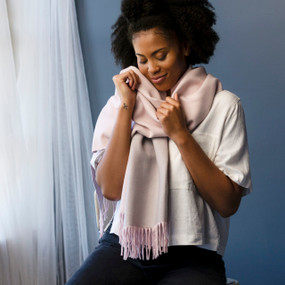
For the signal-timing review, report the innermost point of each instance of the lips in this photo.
(158, 79)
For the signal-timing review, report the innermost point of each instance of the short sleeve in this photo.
(232, 156)
(96, 158)
(104, 208)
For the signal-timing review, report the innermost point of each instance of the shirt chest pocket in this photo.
(208, 143)
(179, 177)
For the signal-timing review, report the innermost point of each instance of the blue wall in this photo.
(250, 60)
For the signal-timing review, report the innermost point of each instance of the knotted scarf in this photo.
(143, 213)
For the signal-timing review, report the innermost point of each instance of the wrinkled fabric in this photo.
(144, 203)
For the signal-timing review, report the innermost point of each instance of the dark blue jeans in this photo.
(181, 265)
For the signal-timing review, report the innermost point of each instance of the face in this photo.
(161, 60)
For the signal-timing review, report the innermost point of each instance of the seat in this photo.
(231, 281)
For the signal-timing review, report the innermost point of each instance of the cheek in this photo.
(143, 69)
(178, 65)
(173, 63)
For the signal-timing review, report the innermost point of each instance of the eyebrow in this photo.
(155, 52)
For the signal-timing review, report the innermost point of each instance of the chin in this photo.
(162, 88)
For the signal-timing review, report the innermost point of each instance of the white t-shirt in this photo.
(222, 136)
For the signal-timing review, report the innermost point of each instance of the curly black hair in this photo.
(190, 20)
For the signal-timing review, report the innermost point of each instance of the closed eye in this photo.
(161, 58)
(159, 54)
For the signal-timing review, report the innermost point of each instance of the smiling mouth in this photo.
(158, 79)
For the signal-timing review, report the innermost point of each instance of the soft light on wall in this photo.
(249, 60)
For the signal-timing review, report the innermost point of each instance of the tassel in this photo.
(143, 243)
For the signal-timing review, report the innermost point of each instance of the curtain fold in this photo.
(47, 217)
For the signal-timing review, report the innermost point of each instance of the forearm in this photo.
(213, 185)
(111, 170)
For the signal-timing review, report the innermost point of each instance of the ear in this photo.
(186, 50)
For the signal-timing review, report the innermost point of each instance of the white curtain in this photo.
(47, 217)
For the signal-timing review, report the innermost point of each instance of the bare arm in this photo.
(214, 186)
(111, 169)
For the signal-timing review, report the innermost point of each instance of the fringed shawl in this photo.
(143, 209)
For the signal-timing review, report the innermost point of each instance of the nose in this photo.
(153, 67)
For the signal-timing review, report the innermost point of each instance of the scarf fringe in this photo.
(143, 243)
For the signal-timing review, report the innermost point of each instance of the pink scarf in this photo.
(143, 208)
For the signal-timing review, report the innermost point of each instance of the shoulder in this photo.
(226, 108)
(226, 99)
(224, 104)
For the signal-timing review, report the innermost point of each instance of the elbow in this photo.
(230, 210)
(111, 195)
(109, 190)
(226, 213)
(231, 203)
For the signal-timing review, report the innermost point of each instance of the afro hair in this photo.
(190, 20)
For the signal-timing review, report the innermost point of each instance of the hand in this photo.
(127, 84)
(172, 118)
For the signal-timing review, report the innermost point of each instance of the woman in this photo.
(170, 146)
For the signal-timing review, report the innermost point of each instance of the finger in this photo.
(173, 101)
(176, 97)
(133, 80)
(137, 80)
(167, 106)
(162, 111)
(159, 115)
(129, 78)
(170, 104)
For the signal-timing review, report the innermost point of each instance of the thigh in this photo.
(195, 266)
(106, 266)
(193, 276)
